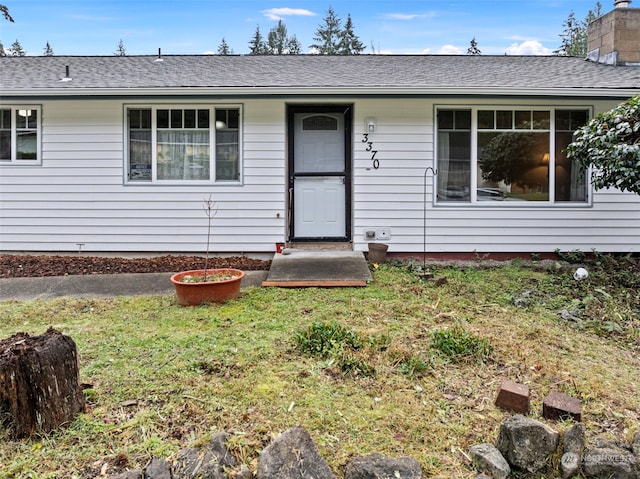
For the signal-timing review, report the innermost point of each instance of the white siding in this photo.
(393, 195)
(78, 194)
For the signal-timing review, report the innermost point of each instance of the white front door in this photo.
(319, 176)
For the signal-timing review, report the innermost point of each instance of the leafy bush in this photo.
(611, 143)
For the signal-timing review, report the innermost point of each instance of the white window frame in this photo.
(212, 143)
(13, 161)
(473, 201)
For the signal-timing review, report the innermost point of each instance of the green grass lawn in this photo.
(402, 367)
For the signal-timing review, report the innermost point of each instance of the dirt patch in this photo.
(15, 266)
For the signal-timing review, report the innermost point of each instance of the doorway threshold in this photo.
(320, 246)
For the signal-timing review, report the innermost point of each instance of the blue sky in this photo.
(95, 27)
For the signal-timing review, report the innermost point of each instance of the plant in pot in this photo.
(207, 285)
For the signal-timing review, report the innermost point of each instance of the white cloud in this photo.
(449, 50)
(408, 16)
(528, 47)
(278, 13)
(401, 16)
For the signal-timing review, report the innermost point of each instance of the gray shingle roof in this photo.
(364, 73)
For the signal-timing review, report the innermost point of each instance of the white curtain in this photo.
(183, 155)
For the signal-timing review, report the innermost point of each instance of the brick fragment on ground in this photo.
(513, 396)
(558, 405)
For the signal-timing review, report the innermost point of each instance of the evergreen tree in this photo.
(2, 52)
(48, 51)
(295, 47)
(121, 51)
(17, 50)
(224, 49)
(574, 35)
(328, 35)
(473, 48)
(277, 39)
(279, 43)
(257, 45)
(350, 44)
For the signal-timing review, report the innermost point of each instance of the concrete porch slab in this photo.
(302, 268)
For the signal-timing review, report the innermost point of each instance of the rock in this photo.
(572, 449)
(608, 443)
(244, 473)
(524, 299)
(377, 466)
(526, 443)
(205, 463)
(293, 455)
(513, 397)
(635, 445)
(135, 474)
(569, 316)
(157, 469)
(488, 459)
(609, 460)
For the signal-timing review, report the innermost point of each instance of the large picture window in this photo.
(20, 135)
(194, 144)
(508, 155)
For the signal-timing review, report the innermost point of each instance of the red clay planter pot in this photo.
(197, 293)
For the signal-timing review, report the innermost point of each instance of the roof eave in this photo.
(321, 91)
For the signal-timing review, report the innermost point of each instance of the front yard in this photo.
(409, 369)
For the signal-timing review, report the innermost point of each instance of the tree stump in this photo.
(39, 385)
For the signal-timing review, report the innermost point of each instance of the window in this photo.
(509, 155)
(20, 135)
(454, 155)
(183, 144)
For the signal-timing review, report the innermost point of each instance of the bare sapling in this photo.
(210, 210)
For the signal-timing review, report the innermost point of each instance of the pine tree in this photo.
(328, 35)
(257, 45)
(473, 48)
(17, 50)
(224, 49)
(574, 35)
(48, 51)
(277, 39)
(350, 44)
(121, 51)
(2, 52)
(294, 46)
(279, 42)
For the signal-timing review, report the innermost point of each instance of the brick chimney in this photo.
(614, 38)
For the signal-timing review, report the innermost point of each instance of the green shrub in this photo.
(324, 338)
(414, 365)
(344, 348)
(458, 345)
(349, 362)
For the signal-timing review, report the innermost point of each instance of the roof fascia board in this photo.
(67, 93)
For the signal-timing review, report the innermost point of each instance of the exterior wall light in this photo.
(370, 125)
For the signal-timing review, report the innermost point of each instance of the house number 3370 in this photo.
(369, 148)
